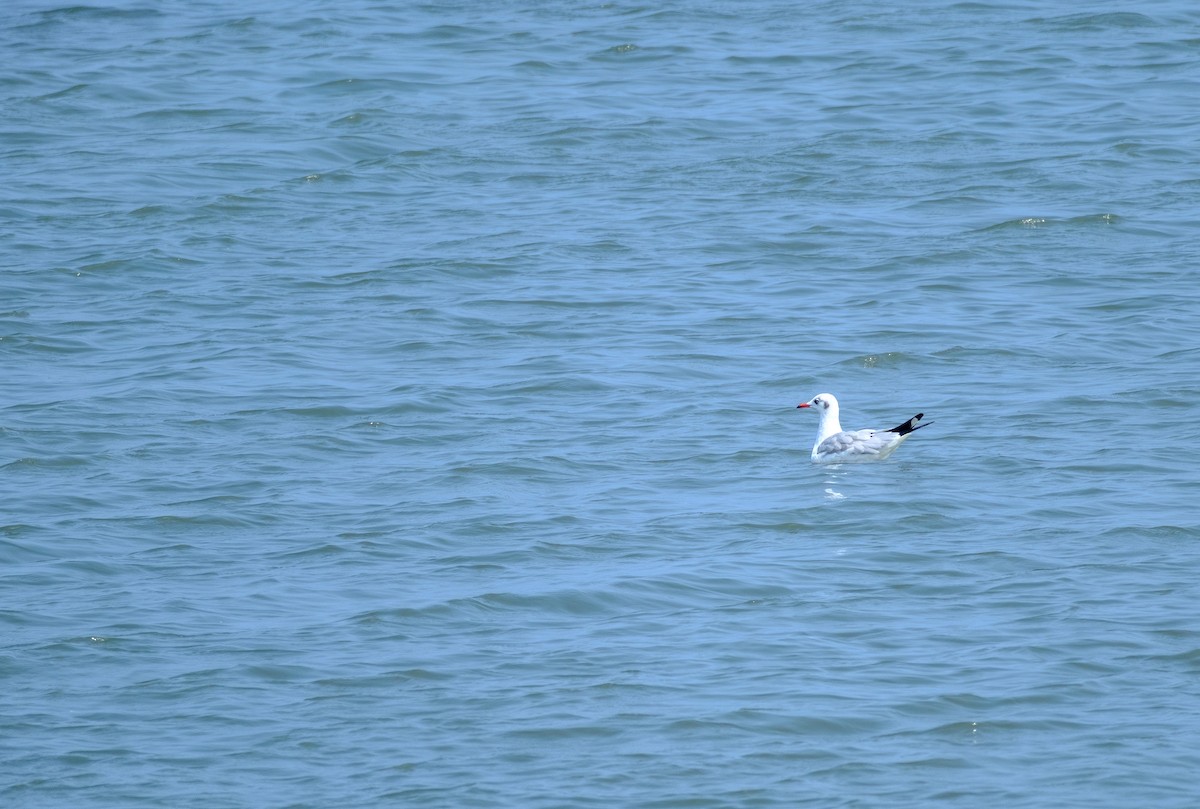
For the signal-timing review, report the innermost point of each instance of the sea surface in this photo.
(399, 404)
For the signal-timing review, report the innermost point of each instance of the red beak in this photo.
(806, 404)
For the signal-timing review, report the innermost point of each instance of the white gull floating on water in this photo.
(835, 445)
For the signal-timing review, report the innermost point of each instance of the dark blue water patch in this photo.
(1096, 22)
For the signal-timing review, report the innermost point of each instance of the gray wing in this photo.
(856, 442)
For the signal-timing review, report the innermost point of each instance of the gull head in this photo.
(822, 402)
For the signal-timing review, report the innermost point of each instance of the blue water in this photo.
(399, 404)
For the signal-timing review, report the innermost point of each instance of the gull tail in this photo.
(910, 425)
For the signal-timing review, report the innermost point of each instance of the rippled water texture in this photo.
(399, 404)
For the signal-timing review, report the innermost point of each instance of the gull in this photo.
(835, 445)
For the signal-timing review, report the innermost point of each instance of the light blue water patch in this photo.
(399, 405)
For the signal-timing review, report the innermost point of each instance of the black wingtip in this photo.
(910, 425)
